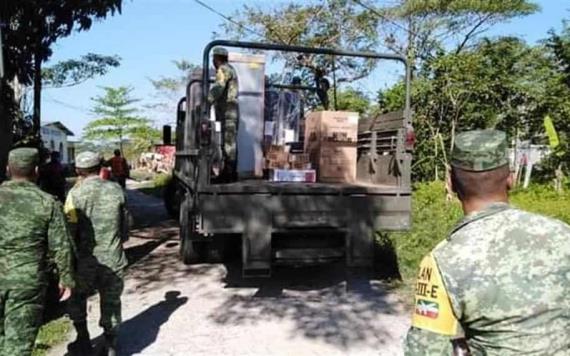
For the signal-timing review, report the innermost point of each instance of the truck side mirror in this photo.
(166, 135)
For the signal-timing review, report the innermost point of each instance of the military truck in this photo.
(289, 223)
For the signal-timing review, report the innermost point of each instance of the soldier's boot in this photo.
(110, 345)
(81, 345)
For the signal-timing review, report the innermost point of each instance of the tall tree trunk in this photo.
(36, 119)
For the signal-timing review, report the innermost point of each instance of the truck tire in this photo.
(171, 198)
(191, 250)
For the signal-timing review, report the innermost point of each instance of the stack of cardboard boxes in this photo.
(330, 141)
(284, 166)
(329, 153)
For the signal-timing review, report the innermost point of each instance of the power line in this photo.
(229, 19)
(67, 105)
(385, 18)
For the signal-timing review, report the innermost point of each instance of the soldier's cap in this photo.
(87, 159)
(480, 150)
(24, 157)
(220, 51)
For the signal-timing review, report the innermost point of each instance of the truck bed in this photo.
(283, 188)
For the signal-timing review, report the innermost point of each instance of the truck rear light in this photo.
(410, 138)
(205, 133)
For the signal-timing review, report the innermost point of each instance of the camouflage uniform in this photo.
(224, 95)
(501, 278)
(33, 235)
(96, 211)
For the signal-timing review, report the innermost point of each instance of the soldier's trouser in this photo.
(20, 320)
(109, 284)
(230, 129)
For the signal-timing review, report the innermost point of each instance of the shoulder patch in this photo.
(70, 210)
(432, 307)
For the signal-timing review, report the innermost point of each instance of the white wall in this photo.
(55, 140)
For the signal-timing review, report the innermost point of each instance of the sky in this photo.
(150, 34)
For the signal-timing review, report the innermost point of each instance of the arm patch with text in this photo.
(70, 211)
(432, 307)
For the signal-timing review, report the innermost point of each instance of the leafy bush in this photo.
(162, 180)
(433, 217)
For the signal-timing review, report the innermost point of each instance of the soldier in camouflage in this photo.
(33, 237)
(501, 279)
(96, 212)
(224, 96)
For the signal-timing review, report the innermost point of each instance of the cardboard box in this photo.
(299, 158)
(335, 163)
(293, 175)
(277, 157)
(330, 126)
(300, 165)
(276, 165)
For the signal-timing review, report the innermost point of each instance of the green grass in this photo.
(51, 334)
(434, 217)
(156, 186)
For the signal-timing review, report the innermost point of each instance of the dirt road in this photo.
(173, 309)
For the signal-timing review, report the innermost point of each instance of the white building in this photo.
(54, 136)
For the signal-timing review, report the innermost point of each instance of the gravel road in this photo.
(208, 309)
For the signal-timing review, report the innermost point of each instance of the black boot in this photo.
(81, 345)
(110, 345)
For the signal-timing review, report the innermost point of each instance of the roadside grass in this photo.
(51, 334)
(156, 186)
(434, 217)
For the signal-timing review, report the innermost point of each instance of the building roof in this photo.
(60, 126)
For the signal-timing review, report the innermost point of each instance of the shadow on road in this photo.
(142, 330)
(343, 307)
(330, 303)
(154, 238)
(339, 306)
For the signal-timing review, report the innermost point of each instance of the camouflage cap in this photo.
(87, 159)
(24, 157)
(220, 51)
(480, 150)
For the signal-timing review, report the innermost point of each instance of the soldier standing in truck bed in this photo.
(33, 235)
(224, 96)
(501, 277)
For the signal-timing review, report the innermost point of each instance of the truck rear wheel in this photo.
(171, 198)
(191, 250)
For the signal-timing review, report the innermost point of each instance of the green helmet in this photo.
(480, 150)
(220, 51)
(87, 159)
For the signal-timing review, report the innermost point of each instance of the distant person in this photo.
(499, 284)
(96, 212)
(33, 238)
(52, 177)
(119, 169)
(224, 96)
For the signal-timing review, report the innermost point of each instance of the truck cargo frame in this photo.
(257, 211)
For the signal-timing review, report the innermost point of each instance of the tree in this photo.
(501, 83)
(117, 121)
(418, 28)
(340, 24)
(31, 27)
(66, 73)
(169, 90)
(73, 72)
(351, 99)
